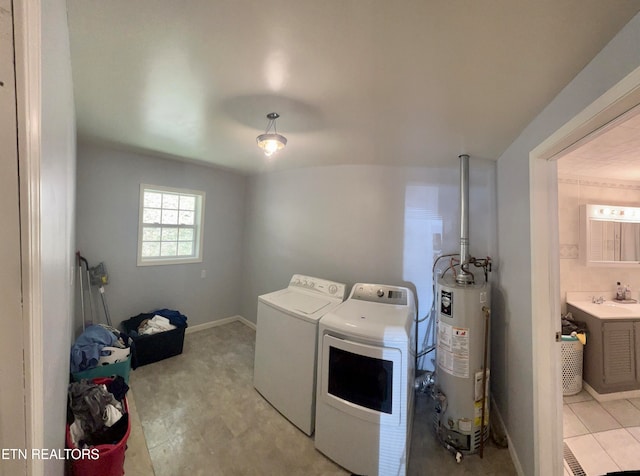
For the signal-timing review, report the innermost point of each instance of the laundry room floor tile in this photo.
(137, 460)
(201, 416)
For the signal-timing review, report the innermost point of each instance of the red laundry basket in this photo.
(110, 461)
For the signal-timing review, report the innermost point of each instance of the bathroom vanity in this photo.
(612, 352)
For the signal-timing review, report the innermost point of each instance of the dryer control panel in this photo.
(318, 285)
(381, 293)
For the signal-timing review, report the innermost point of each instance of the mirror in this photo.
(609, 235)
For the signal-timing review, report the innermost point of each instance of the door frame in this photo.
(27, 31)
(545, 274)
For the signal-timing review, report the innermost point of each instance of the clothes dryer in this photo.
(366, 364)
(286, 345)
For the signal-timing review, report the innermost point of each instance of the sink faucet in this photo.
(599, 300)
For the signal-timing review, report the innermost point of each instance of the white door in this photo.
(12, 392)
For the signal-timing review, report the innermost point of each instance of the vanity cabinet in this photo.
(619, 353)
(612, 352)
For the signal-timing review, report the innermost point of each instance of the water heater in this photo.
(462, 356)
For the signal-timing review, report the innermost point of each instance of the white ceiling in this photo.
(414, 82)
(612, 152)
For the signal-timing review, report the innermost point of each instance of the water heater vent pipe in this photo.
(464, 277)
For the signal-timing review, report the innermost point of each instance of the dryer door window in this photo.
(361, 379)
(365, 381)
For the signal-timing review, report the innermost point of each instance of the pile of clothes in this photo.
(163, 320)
(573, 328)
(90, 346)
(96, 412)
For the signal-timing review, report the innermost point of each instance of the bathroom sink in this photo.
(608, 309)
(615, 304)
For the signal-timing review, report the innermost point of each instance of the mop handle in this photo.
(81, 290)
(86, 263)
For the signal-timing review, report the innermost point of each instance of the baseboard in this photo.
(512, 452)
(246, 322)
(220, 322)
(606, 397)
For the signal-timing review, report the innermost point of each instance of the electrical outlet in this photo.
(203, 273)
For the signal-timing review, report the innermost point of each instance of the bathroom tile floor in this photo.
(201, 416)
(603, 436)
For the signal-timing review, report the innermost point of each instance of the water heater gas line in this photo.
(487, 312)
(464, 277)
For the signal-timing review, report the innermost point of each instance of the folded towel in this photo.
(154, 325)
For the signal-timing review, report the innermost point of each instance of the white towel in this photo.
(157, 324)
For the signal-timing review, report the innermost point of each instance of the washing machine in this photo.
(285, 365)
(366, 365)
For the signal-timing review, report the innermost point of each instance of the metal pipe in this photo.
(487, 313)
(464, 277)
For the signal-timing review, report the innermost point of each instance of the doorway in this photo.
(601, 433)
(545, 271)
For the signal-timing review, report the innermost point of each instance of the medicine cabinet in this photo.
(610, 235)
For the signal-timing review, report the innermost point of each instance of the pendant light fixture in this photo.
(271, 142)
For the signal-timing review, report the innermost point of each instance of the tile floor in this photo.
(202, 416)
(137, 460)
(604, 437)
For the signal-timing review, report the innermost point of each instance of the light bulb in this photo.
(270, 147)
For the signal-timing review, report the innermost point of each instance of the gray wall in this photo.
(108, 188)
(361, 224)
(57, 217)
(511, 313)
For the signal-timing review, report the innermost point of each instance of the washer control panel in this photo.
(379, 293)
(318, 285)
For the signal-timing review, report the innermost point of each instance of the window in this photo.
(170, 225)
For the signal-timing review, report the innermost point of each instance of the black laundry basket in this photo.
(150, 348)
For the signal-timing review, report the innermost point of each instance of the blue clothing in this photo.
(88, 347)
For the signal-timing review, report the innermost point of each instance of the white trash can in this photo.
(572, 352)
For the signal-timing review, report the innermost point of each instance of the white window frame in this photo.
(198, 227)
